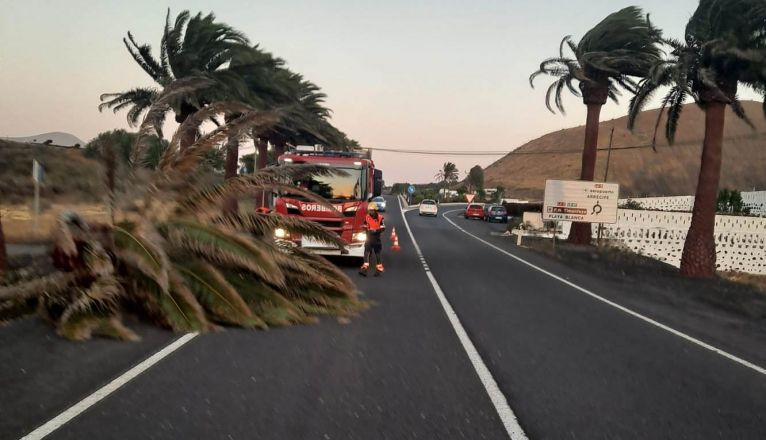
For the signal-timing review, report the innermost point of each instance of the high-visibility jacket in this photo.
(375, 227)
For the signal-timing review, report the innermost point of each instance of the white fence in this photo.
(755, 200)
(740, 241)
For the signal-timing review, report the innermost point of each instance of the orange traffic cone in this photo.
(395, 247)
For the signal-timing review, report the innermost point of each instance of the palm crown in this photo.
(448, 173)
(191, 47)
(619, 47)
(724, 45)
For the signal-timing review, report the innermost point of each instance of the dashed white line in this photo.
(76, 409)
(651, 321)
(508, 418)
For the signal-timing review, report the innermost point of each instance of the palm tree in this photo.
(621, 46)
(724, 46)
(176, 261)
(191, 48)
(260, 72)
(448, 174)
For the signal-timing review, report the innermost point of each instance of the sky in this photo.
(443, 75)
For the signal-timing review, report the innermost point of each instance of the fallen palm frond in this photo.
(176, 261)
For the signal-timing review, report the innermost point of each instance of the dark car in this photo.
(496, 213)
(474, 210)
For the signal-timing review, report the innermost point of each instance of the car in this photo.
(380, 202)
(496, 213)
(474, 210)
(428, 207)
(486, 209)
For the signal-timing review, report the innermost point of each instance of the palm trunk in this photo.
(261, 162)
(698, 258)
(187, 139)
(581, 232)
(230, 205)
(3, 255)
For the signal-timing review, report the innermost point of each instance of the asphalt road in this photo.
(569, 366)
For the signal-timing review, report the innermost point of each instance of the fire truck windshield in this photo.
(337, 187)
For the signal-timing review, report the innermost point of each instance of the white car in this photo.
(428, 207)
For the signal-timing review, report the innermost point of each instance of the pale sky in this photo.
(444, 74)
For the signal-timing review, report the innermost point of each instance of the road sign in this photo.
(469, 197)
(580, 201)
(410, 190)
(38, 173)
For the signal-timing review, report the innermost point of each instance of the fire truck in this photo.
(349, 192)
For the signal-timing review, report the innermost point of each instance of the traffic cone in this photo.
(395, 247)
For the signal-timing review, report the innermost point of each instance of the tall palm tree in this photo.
(191, 48)
(448, 174)
(724, 46)
(621, 46)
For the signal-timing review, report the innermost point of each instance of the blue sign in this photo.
(410, 190)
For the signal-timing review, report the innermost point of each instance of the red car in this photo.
(475, 210)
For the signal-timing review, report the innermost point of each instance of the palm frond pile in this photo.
(173, 258)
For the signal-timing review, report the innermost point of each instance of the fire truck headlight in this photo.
(280, 233)
(360, 236)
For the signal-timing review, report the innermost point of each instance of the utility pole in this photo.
(606, 175)
(608, 154)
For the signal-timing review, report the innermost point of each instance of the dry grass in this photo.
(757, 281)
(672, 170)
(19, 225)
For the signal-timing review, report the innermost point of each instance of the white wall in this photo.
(740, 241)
(755, 200)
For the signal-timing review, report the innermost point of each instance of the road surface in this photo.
(559, 362)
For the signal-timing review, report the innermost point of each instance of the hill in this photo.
(69, 176)
(640, 171)
(56, 138)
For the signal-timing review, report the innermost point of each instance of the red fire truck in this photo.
(349, 192)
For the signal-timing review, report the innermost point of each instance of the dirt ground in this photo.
(19, 224)
(743, 294)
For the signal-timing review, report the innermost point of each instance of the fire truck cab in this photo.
(349, 193)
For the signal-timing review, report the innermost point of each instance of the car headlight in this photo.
(360, 236)
(280, 233)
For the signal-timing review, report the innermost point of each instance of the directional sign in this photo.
(410, 190)
(38, 172)
(580, 201)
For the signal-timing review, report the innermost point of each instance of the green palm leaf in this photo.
(219, 245)
(266, 302)
(216, 294)
(141, 247)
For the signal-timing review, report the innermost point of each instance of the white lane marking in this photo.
(510, 422)
(651, 321)
(76, 409)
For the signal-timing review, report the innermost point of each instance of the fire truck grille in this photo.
(333, 225)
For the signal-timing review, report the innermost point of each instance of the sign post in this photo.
(37, 175)
(410, 192)
(580, 201)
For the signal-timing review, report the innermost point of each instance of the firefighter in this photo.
(375, 228)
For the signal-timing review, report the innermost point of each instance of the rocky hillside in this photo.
(69, 176)
(640, 171)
